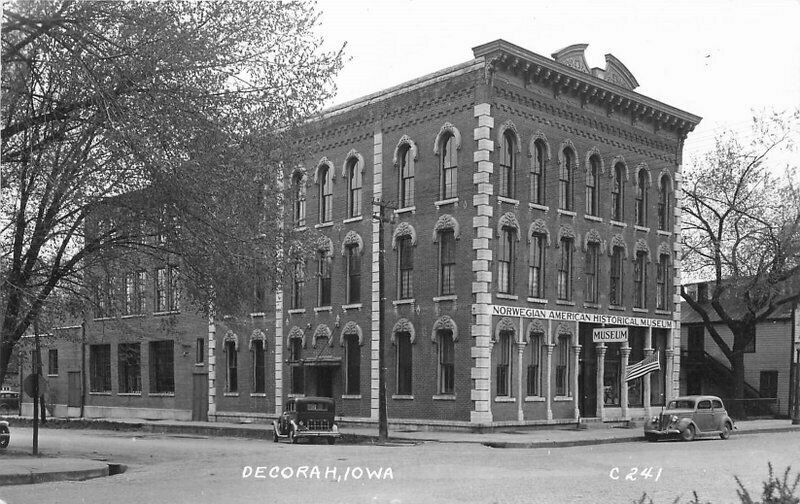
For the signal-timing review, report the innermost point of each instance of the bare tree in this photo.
(741, 208)
(166, 121)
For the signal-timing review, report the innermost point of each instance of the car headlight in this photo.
(673, 419)
(302, 423)
(654, 419)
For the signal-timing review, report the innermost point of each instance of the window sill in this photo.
(295, 396)
(258, 394)
(444, 397)
(199, 364)
(51, 374)
(618, 224)
(397, 302)
(567, 213)
(260, 314)
(444, 202)
(505, 399)
(506, 199)
(641, 310)
(351, 396)
(564, 302)
(641, 228)
(562, 398)
(319, 309)
(617, 308)
(296, 311)
(663, 312)
(403, 397)
(593, 218)
(165, 313)
(536, 206)
(357, 218)
(591, 305)
(537, 300)
(100, 393)
(449, 297)
(300, 229)
(231, 394)
(130, 394)
(503, 295)
(354, 306)
(323, 225)
(411, 209)
(161, 394)
(103, 319)
(132, 315)
(534, 399)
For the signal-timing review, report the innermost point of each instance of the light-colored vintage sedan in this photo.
(689, 417)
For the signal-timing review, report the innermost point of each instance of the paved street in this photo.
(197, 469)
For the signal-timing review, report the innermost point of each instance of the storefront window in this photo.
(611, 375)
(657, 382)
(636, 387)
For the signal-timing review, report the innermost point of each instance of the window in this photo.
(615, 285)
(767, 385)
(354, 188)
(141, 287)
(352, 352)
(658, 380)
(592, 264)
(100, 368)
(259, 367)
(162, 371)
(592, 183)
(447, 262)
(167, 291)
(325, 194)
(534, 381)
(161, 290)
(296, 382)
(664, 203)
(618, 192)
(505, 261)
(750, 339)
(641, 198)
(536, 266)
(562, 365)
(129, 368)
(565, 180)
(406, 183)
(404, 377)
(104, 297)
(537, 173)
(507, 154)
(447, 368)
(298, 285)
(565, 271)
(405, 267)
(640, 280)
(231, 364)
(52, 361)
(353, 274)
(200, 351)
(324, 260)
(298, 200)
(130, 293)
(662, 285)
(503, 369)
(449, 168)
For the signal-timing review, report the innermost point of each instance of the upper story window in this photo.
(298, 284)
(565, 271)
(664, 197)
(325, 177)
(324, 287)
(404, 363)
(592, 267)
(353, 274)
(406, 174)
(615, 284)
(640, 280)
(231, 367)
(167, 289)
(662, 282)
(354, 183)
(352, 354)
(592, 185)
(447, 262)
(135, 286)
(537, 174)
(405, 268)
(536, 266)
(618, 193)
(565, 179)
(507, 163)
(505, 260)
(449, 167)
(298, 200)
(641, 197)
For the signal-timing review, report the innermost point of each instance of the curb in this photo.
(33, 477)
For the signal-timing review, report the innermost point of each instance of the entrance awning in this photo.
(322, 361)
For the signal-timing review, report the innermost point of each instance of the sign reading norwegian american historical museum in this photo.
(591, 318)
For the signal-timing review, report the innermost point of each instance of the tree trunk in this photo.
(737, 408)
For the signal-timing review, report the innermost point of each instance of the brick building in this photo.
(535, 202)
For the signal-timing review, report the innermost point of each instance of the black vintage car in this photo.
(9, 402)
(307, 417)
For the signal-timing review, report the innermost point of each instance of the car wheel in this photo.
(5, 436)
(651, 437)
(688, 433)
(726, 431)
(293, 436)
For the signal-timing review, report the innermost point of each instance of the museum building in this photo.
(529, 257)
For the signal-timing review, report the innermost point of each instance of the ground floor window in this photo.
(52, 361)
(162, 367)
(100, 368)
(353, 362)
(447, 367)
(404, 377)
(562, 365)
(534, 387)
(259, 367)
(297, 375)
(231, 367)
(129, 359)
(503, 365)
(658, 386)
(636, 387)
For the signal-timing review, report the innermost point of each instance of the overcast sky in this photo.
(716, 59)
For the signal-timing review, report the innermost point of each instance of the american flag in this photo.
(640, 369)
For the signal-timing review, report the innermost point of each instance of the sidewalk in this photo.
(16, 467)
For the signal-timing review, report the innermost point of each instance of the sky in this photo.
(720, 60)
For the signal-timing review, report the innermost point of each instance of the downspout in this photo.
(83, 366)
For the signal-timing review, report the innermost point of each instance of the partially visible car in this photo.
(9, 402)
(307, 417)
(689, 417)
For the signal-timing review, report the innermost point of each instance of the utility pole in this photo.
(796, 405)
(383, 417)
(36, 391)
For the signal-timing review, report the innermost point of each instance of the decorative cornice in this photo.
(446, 128)
(323, 162)
(539, 226)
(351, 328)
(322, 331)
(404, 229)
(535, 327)
(508, 325)
(359, 159)
(538, 135)
(412, 148)
(664, 248)
(404, 325)
(350, 239)
(446, 323)
(258, 335)
(446, 221)
(594, 151)
(508, 219)
(618, 241)
(231, 336)
(501, 131)
(296, 332)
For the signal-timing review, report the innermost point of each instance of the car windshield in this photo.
(681, 404)
(316, 407)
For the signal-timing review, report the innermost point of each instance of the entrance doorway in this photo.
(587, 379)
(320, 380)
(200, 397)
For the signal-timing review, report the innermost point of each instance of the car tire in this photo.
(293, 436)
(651, 437)
(4, 440)
(726, 431)
(688, 434)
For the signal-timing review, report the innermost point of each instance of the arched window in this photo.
(298, 284)
(447, 262)
(353, 188)
(507, 162)
(562, 365)
(505, 260)
(353, 255)
(405, 267)
(565, 270)
(662, 282)
(325, 194)
(537, 174)
(641, 198)
(591, 270)
(259, 365)
(296, 370)
(447, 368)
(404, 363)
(231, 365)
(592, 185)
(618, 192)
(664, 190)
(534, 375)
(298, 200)
(640, 280)
(615, 284)
(503, 363)
(352, 355)
(536, 266)
(324, 263)
(448, 167)
(565, 179)
(406, 174)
